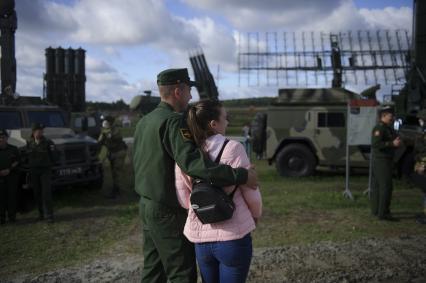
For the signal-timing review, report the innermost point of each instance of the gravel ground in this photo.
(400, 259)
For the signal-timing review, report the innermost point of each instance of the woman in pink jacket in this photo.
(224, 249)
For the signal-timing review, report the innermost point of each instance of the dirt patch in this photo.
(401, 259)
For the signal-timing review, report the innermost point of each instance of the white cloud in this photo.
(272, 14)
(290, 15)
(217, 42)
(388, 18)
(115, 27)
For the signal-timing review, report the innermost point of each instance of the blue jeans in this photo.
(225, 262)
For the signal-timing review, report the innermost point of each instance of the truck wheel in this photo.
(295, 160)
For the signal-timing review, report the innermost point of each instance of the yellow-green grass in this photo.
(296, 211)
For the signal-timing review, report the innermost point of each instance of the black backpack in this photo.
(210, 203)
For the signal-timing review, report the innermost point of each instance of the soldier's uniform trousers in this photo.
(116, 160)
(166, 249)
(41, 179)
(381, 191)
(8, 191)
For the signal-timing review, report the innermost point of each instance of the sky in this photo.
(128, 42)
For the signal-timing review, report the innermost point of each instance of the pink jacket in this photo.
(248, 202)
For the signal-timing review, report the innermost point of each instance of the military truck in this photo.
(76, 161)
(305, 128)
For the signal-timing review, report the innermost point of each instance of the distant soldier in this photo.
(246, 132)
(9, 159)
(419, 176)
(383, 143)
(111, 138)
(41, 157)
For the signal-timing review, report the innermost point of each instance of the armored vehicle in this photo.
(76, 161)
(306, 128)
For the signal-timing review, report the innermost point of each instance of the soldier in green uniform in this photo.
(383, 143)
(40, 161)
(9, 159)
(111, 138)
(419, 176)
(161, 139)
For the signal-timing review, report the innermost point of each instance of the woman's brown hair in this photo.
(199, 116)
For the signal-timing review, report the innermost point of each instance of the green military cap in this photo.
(386, 109)
(37, 126)
(3, 133)
(421, 114)
(174, 76)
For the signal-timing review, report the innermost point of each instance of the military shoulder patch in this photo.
(376, 133)
(186, 134)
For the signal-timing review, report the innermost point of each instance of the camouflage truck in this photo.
(306, 128)
(76, 161)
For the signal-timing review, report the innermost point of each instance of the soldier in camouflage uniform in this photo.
(419, 175)
(9, 158)
(383, 143)
(41, 158)
(111, 138)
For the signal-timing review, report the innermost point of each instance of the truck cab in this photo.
(76, 161)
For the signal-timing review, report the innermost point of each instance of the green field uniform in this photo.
(383, 152)
(111, 138)
(9, 183)
(161, 139)
(420, 162)
(40, 161)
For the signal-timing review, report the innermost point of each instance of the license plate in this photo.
(69, 171)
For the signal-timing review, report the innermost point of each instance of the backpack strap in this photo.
(217, 161)
(221, 151)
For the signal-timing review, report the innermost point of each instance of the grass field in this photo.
(296, 211)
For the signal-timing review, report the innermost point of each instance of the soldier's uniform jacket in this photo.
(112, 139)
(8, 156)
(41, 155)
(382, 141)
(161, 138)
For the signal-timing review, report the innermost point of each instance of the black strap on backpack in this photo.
(217, 161)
